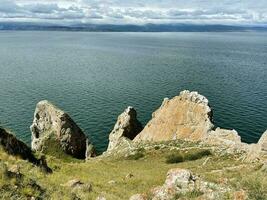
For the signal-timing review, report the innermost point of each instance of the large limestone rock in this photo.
(187, 116)
(53, 130)
(126, 127)
(263, 142)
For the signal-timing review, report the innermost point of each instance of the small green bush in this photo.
(157, 147)
(197, 155)
(174, 158)
(191, 155)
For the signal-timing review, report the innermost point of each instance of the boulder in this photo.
(263, 142)
(187, 116)
(224, 137)
(180, 182)
(53, 130)
(138, 197)
(77, 185)
(126, 127)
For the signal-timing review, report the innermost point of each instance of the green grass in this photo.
(149, 171)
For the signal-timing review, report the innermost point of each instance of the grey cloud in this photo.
(139, 11)
(42, 8)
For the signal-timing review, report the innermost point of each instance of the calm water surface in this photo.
(94, 76)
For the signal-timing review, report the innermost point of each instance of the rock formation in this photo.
(187, 116)
(10, 144)
(180, 182)
(263, 142)
(53, 130)
(13, 146)
(126, 127)
(220, 136)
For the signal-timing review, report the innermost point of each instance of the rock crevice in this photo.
(126, 128)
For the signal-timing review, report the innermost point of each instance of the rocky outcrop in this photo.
(187, 116)
(126, 127)
(11, 145)
(53, 130)
(263, 142)
(220, 136)
(15, 147)
(181, 182)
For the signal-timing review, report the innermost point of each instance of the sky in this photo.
(249, 12)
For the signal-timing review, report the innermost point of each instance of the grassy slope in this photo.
(148, 171)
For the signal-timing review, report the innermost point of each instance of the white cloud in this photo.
(139, 11)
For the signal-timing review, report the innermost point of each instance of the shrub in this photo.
(174, 158)
(157, 147)
(191, 155)
(197, 155)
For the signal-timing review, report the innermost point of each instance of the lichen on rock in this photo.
(187, 116)
(181, 182)
(53, 128)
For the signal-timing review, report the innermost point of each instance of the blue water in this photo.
(94, 76)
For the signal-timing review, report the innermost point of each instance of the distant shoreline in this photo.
(130, 28)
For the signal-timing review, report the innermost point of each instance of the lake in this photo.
(95, 76)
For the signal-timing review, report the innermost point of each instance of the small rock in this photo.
(111, 182)
(86, 187)
(138, 197)
(101, 197)
(240, 195)
(128, 176)
(14, 169)
(73, 183)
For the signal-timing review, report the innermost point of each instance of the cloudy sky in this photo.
(135, 12)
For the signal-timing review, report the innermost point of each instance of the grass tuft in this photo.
(187, 156)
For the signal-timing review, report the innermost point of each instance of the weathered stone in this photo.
(15, 147)
(224, 137)
(53, 128)
(128, 176)
(112, 182)
(263, 142)
(127, 126)
(14, 169)
(77, 185)
(240, 195)
(180, 182)
(187, 116)
(90, 150)
(73, 183)
(101, 197)
(138, 197)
